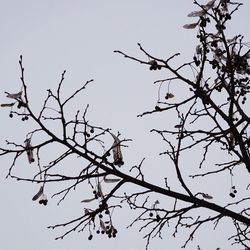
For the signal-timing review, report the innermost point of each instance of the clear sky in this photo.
(79, 36)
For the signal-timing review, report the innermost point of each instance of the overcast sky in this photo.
(79, 36)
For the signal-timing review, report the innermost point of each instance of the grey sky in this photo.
(80, 36)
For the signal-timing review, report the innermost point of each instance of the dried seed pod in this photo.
(16, 96)
(206, 196)
(111, 180)
(38, 194)
(198, 13)
(102, 225)
(29, 150)
(87, 200)
(117, 154)
(209, 5)
(198, 50)
(7, 104)
(190, 25)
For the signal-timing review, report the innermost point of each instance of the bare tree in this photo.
(213, 117)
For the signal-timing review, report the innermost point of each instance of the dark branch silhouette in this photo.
(212, 116)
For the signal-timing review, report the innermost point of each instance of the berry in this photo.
(154, 65)
(203, 22)
(232, 195)
(10, 115)
(86, 134)
(43, 201)
(214, 43)
(158, 218)
(227, 17)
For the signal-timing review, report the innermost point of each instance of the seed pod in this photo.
(190, 26)
(198, 13)
(29, 150)
(117, 154)
(38, 194)
(7, 104)
(16, 96)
